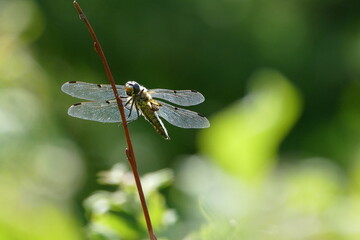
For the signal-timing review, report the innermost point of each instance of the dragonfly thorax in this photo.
(137, 93)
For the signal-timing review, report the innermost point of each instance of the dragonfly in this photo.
(137, 101)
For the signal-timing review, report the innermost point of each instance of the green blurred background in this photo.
(281, 159)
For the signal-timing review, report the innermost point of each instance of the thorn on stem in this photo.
(130, 158)
(82, 16)
(128, 153)
(96, 48)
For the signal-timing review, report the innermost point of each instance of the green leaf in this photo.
(243, 138)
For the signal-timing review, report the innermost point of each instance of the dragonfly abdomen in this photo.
(155, 121)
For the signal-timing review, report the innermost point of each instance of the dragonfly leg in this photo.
(131, 108)
(137, 110)
(127, 103)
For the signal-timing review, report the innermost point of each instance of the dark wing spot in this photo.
(99, 85)
(175, 108)
(72, 82)
(107, 102)
(77, 104)
(201, 115)
(194, 91)
(175, 91)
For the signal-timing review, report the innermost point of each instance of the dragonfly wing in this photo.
(181, 117)
(179, 97)
(91, 91)
(102, 111)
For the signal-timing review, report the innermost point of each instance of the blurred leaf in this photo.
(155, 180)
(115, 176)
(354, 174)
(244, 138)
(40, 170)
(20, 17)
(311, 187)
(122, 228)
(219, 230)
(118, 214)
(37, 223)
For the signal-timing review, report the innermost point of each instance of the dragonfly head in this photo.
(132, 88)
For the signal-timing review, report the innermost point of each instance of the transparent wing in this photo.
(90, 91)
(181, 117)
(179, 97)
(102, 111)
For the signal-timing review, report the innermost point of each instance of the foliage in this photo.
(117, 215)
(309, 199)
(280, 160)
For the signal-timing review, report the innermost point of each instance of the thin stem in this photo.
(129, 150)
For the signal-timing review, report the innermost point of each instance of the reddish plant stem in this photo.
(129, 150)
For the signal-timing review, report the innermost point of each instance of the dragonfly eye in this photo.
(132, 88)
(136, 88)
